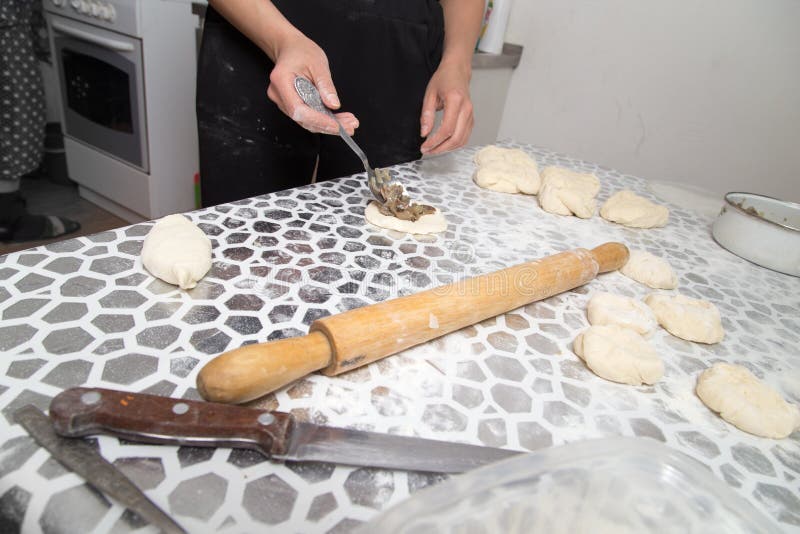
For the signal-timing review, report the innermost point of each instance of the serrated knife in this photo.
(153, 419)
(81, 458)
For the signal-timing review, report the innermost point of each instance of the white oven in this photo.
(102, 90)
(126, 71)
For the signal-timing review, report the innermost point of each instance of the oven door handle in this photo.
(94, 39)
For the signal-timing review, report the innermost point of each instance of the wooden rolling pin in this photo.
(342, 342)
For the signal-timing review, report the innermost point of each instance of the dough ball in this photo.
(619, 354)
(177, 251)
(431, 223)
(565, 192)
(507, 170)
(629, 209)
(744, 401)
(607, 309)
(687, 318)
(649, 270)
(493, 153)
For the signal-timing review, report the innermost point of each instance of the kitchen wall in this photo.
(704, 93)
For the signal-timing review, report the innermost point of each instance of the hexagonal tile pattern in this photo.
(84, 312)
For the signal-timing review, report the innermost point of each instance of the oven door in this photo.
(102, 89)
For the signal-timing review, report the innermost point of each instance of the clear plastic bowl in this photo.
(614, 485)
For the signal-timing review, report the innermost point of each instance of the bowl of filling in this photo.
(761, 229)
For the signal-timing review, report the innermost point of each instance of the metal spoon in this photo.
(376, 178)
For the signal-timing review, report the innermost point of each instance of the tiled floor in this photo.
(49, 198)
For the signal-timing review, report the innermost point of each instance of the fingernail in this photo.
(334, 99)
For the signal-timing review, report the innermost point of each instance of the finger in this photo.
(447, 128)
(348, 121)
(326, 89)
(428, 115)
(314, 121)
(461, 134)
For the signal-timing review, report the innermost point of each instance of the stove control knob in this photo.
(76, 4)
(112, 13)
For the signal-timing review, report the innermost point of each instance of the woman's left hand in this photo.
(448, 89)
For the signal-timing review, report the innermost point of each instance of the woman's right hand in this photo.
(297, 55)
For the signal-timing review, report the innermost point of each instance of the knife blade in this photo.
(81, 458)
(152, 419)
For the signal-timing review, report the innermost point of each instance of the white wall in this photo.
(703, 92)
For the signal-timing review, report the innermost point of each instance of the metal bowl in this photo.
(761, 229)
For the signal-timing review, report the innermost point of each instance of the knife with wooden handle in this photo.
(81, 458)
(152, 419)
(342, 342)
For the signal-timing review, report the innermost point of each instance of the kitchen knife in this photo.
(80, 457)
(342, 342)
(153, 419)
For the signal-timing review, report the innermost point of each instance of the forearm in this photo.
(462, 24)
(260, 21)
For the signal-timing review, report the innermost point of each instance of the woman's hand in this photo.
(294, 54)
(448, 89)
(297, 55)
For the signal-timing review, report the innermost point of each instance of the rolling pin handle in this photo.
(610, 256)
(251, 371)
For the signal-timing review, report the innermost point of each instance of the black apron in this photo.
(382, 54)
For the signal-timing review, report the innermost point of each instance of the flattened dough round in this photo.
(649, 270)
(607, 309)
(629, 209)
(566, 192)
(619, 354)
(507, 170)
(746, 402)
(177, 251)
(687, 318)
(432, 223)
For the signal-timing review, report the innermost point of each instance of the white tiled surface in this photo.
(85, 312)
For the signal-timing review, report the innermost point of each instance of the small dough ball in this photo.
(177, 251)
(619, 354)
(507, 170)
(607, 309)
(629, 209)
(687, 318)
(431, 223)
(649, 270)
(565, 192)
(744, 401)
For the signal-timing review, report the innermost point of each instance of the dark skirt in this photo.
(22, 102)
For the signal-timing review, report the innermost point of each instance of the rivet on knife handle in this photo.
(83, 411)
(342, 342)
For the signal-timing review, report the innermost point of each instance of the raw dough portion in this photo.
(619, 354)
(565, 192)
(687, 318)
(744, 401)
(649, 270)
(607, 309)
(177, 251)
(507, 170)
(431, 223)
(629, 209)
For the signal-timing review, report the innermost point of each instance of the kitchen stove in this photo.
(126, 71)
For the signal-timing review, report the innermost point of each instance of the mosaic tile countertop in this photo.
(85, 312)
